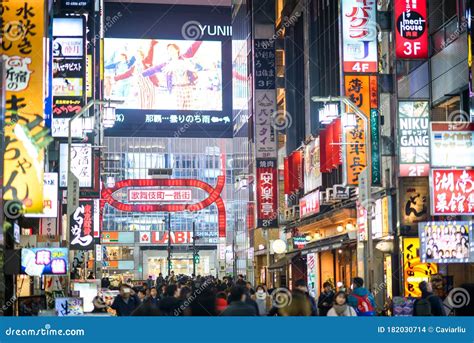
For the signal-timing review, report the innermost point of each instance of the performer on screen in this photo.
(146, 90)
(180, 73)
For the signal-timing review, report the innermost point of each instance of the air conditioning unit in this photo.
(340, 192)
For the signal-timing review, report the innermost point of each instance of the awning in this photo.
(281, 263)
(329, 243)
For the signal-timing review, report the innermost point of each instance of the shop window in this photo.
(447, 109)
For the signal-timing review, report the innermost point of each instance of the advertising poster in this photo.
(359, 36)
(452, 192)
(81, 226)
(452, 145)
(446, 242)
(414, 270)
(23, 56)
(414, 200)
(44, 261)
(267, 194)
(411, 34)
(413, 138)
(310, 204)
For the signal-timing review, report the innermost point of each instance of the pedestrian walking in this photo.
(340, 307)
(238, 306)
(361, 299)
(125, 302)
(429, 304)
(326, 299)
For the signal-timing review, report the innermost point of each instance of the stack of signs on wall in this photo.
(69, 73)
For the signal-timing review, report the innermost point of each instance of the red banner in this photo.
(267, 194)
(452, 192)
(286, 170)
(411, 29)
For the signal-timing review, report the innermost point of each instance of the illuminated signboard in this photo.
(446, 242)
(177, 237)
(415, 271)
(411, 21)
(81, 164)
(359, 36)
(452, 192)
(414, 138)
(25, 135)
(452, 144)
(153, 195)
(50, 197)
(414, 200)
(69, 73)
(44, 261)
(267, 194)
(175, 78)
(309, 204)
(81, 226)
(312, 165)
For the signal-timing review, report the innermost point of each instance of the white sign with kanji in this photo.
(159, 195)
(265, 135)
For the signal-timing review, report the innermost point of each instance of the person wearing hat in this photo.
(99, 305)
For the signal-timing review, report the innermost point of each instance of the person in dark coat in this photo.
(237, 306)
(170, 302)
(126, 302)
(428, 304)
(326, 299)
(300, 286)
(160, 281)
(153, 298)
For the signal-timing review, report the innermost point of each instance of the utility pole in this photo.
(194, 247)
(169, 243)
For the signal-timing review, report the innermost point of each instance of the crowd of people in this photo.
(180, 295)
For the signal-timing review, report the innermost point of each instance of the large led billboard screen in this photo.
(171, 67)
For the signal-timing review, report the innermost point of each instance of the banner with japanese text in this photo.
(452, 192)
(23, 27)
(359, 36)
(267, 194)
(81, 226)
(362, 91)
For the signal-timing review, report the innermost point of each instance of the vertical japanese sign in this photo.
(362, 91)
(359, 36)
(411, 34)
(23, 26)
(414, 138)
(452, 192)
(81, 226)
(69, 72)
(312, 173)
(414, 271)
(267, 194)
(265, 99)
(414, 200)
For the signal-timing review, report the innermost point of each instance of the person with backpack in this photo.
(361, 299)
(429, 304)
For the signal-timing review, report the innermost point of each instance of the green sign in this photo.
(375, 146)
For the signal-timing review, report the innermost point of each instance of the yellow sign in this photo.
(23, 26)
(414, 271)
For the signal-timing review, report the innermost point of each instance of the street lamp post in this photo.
(70, 175)
(368, 264)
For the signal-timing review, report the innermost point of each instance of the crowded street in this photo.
(237, 158)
